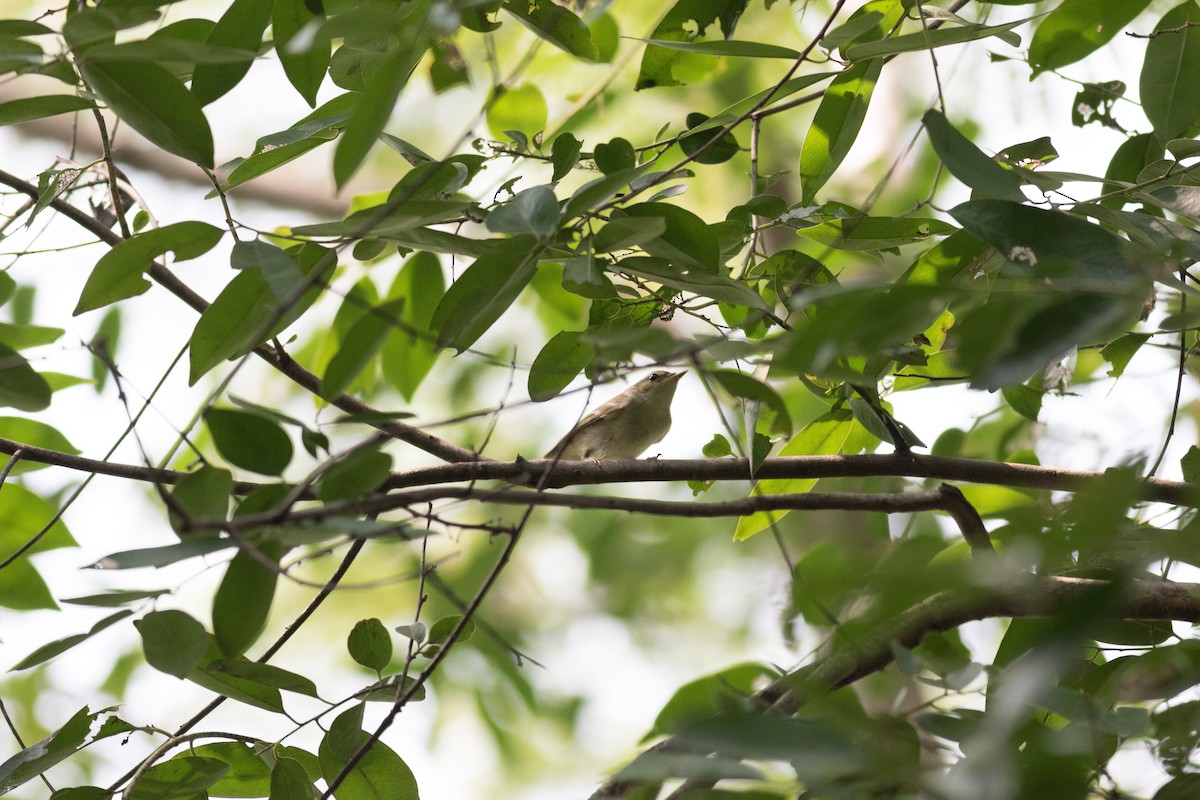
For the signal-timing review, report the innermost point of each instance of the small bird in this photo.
(624, 426)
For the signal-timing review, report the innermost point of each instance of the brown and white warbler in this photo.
(624, 426)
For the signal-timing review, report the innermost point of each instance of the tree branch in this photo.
(872, 650)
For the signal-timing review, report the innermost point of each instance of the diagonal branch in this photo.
(872, 650)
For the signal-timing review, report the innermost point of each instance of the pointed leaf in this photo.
(377, 101)
(685, 20)
(155, 104)
(30, 108)
(557, 25)
(119, 272)
(485, 291)
(173, 641)
(557, 364)
(360, 346)
(60, 646)
(249, 441)
(1172, 60)
(1077, 28)
(410, 351)
(20, 386)
(968, 163)
(241, 28)
(836, 124)
(305, 66)
(378, 775)
(243, 600)
(533, 211)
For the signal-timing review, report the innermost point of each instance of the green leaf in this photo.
(830, 434)
(685, 20)
(173, 641)
(264, 676)
(688, 240)
(379, 775)
(241, 28)
(388, 220)
(1054, 244)
(485, 291)
(697, 144)
(717, 447)
(1121, 350)
(557, 364)
(564, 155)
(41, 756)
(360, 346)
(116, 597)
(621, 233)
(1191, 464)
(155, 104)
(278, 268)
(30, 108)
(1133, 155)
(534, 211)
(378, 99)
(718, 287)
(305, 66)
(289, 781)
(584, 275)
(248, 775)
(439, 632)
(214, 677)
(243, 600)
(20, 386)
(409, 351)
(249, 441)
(968, 163)
(615, 156)
(731, 47)
(1172, 59)
(930, 39)
(557, 25)
(201, 494)
(52, 649)
(835, 126)
(119, 272)
(21, 337)
(240, 318)
(1024, 400)
(1077, 28)
(38, 434)
(874, 233)
(355, 476)
(195, 545)
(181, 777)
(370, 645)
(522, 108)
(748, 388)
(1016, 334)
(710, 696)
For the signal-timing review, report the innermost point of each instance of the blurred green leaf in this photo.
(557, 25)
(119, 272)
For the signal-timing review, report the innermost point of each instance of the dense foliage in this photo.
(340, 519)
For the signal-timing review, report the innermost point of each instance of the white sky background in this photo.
(1105, 426)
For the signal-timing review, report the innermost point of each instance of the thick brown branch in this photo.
(574, 473)
(872, 650)
(568, 473)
